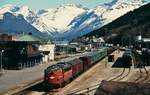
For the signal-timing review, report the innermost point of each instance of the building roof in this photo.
(28, 38)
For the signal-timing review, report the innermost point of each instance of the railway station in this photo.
(110, 70)
(74, 70)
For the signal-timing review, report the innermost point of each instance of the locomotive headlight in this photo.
(51, 77)
(60, 76)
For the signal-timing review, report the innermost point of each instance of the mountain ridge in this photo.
(71, 21)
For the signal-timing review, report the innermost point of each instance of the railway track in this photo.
(124, 73)
(84, 91)
(138, 63)
(22, 87)
(38, 89)
(143, 76)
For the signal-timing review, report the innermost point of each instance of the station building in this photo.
(22, 51)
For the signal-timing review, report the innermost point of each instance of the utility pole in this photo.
(122, 41)
(1, 65)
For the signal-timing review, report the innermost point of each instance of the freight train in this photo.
(62, 73)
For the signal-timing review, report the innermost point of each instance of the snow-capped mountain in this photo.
(28, 14)
(100, 16)
(60, 17)
(69, 21)
(117, 8)
(17, 24)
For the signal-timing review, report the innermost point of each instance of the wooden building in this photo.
(20, 52)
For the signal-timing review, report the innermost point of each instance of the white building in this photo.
(49, 48)
(146, 39)
(100, 40)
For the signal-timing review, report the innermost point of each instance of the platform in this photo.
(123, 88)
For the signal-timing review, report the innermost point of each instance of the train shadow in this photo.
(41, 87)
(121, 63)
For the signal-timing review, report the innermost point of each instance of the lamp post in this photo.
(1, 65)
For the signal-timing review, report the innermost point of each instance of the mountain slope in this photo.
(127, 26)
(102, 15)
(29, 15)
(82, 24)
(17, 24)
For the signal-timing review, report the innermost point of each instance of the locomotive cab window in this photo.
(67, 69)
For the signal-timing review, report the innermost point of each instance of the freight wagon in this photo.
(62, 73)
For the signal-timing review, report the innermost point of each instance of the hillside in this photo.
(127, 26)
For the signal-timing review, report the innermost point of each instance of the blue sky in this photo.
(42, 4)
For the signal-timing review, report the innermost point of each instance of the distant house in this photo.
(48, 51)
(98, 42)
(146, 40)
(142, 42)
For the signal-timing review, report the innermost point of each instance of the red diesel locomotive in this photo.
(58, 74)
(62, 73)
